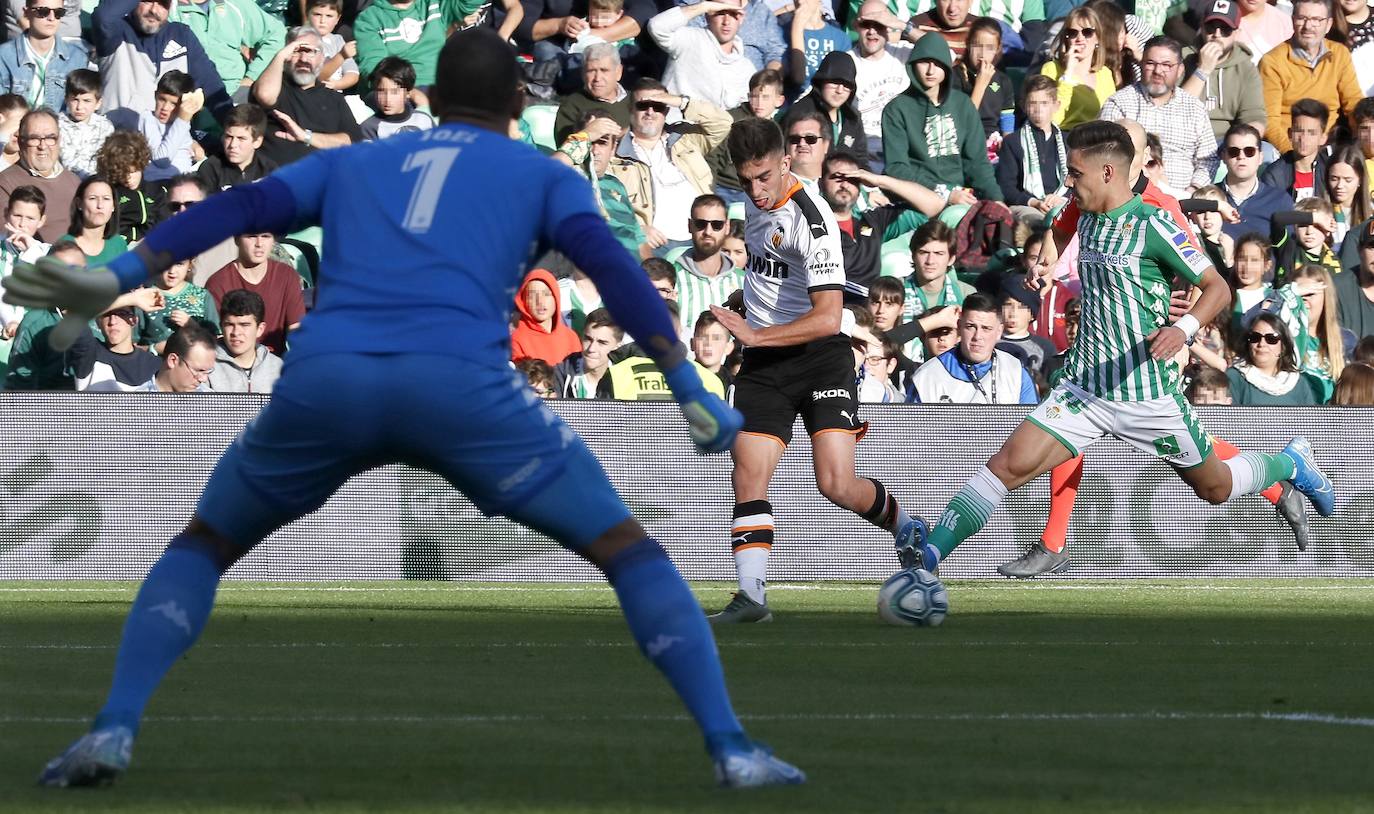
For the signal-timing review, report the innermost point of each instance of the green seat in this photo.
(672, 255)
(540, 118)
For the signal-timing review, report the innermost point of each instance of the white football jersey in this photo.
(794, 249)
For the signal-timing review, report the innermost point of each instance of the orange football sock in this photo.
(1064, 480)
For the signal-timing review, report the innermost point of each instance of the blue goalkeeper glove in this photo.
(712, 423)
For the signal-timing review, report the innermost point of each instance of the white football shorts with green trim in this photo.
(1165, 427)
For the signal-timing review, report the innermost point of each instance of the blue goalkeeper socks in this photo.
(165, 620)
(672, 632)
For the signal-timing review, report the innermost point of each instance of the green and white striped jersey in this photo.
(697, 293)
(1128, 259)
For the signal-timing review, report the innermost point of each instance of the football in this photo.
(913, 597)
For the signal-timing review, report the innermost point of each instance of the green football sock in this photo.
(968, 511)
(1253, 472)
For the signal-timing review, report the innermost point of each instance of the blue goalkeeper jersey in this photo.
(426, 239)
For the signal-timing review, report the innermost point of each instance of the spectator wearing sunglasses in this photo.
(1255, 201)
(808, 142)
(36, 64)
(705, 275)
(1220, 72)
(663, 166)
(15, 22)
(1266, 371)
(710, 64)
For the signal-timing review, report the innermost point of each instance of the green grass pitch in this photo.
(418, 697)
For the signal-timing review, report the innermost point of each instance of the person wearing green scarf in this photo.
(932, 283)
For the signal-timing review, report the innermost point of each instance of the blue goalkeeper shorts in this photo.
(332, 416)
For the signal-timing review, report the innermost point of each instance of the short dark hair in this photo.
(1163, 41)
(83, 80)
(659, 269)
(337, 5)
(243, 303)
(65, 245)
(978, 301)
(704, 320)
(842, 155)
(814, 116)
(768, 77)
(187, 337)
(601, 318)
(12, 102)
(247, 115)
(1364, 110)
(28, 193)
(396, 69)
(1207, 378)
(1242, 129)
(1311, 109)
(1038, 83)
(709, 199)
(175, 83)
(752, 139)
(933, 230)
(476, 52)
(1098, 139)
(78, 221)
(595, 113)
(189, 179)
(890, 286)
(647, 83)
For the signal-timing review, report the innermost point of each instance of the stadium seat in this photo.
(540, 120)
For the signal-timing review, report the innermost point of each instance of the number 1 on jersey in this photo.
(433, 165)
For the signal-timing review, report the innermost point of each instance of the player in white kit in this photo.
(797, 361)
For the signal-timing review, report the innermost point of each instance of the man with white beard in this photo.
(303, 115)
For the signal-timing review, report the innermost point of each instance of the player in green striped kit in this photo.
(1120, 378)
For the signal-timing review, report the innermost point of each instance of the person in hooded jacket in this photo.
(1222, 74)
(932, 134)
(540, 333)
(832, 96)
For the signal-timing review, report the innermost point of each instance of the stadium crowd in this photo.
(934, 129)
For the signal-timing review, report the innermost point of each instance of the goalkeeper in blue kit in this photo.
(426, 234)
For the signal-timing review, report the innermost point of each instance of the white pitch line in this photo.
(725, 644)
(1321, 718)
(969, 584)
